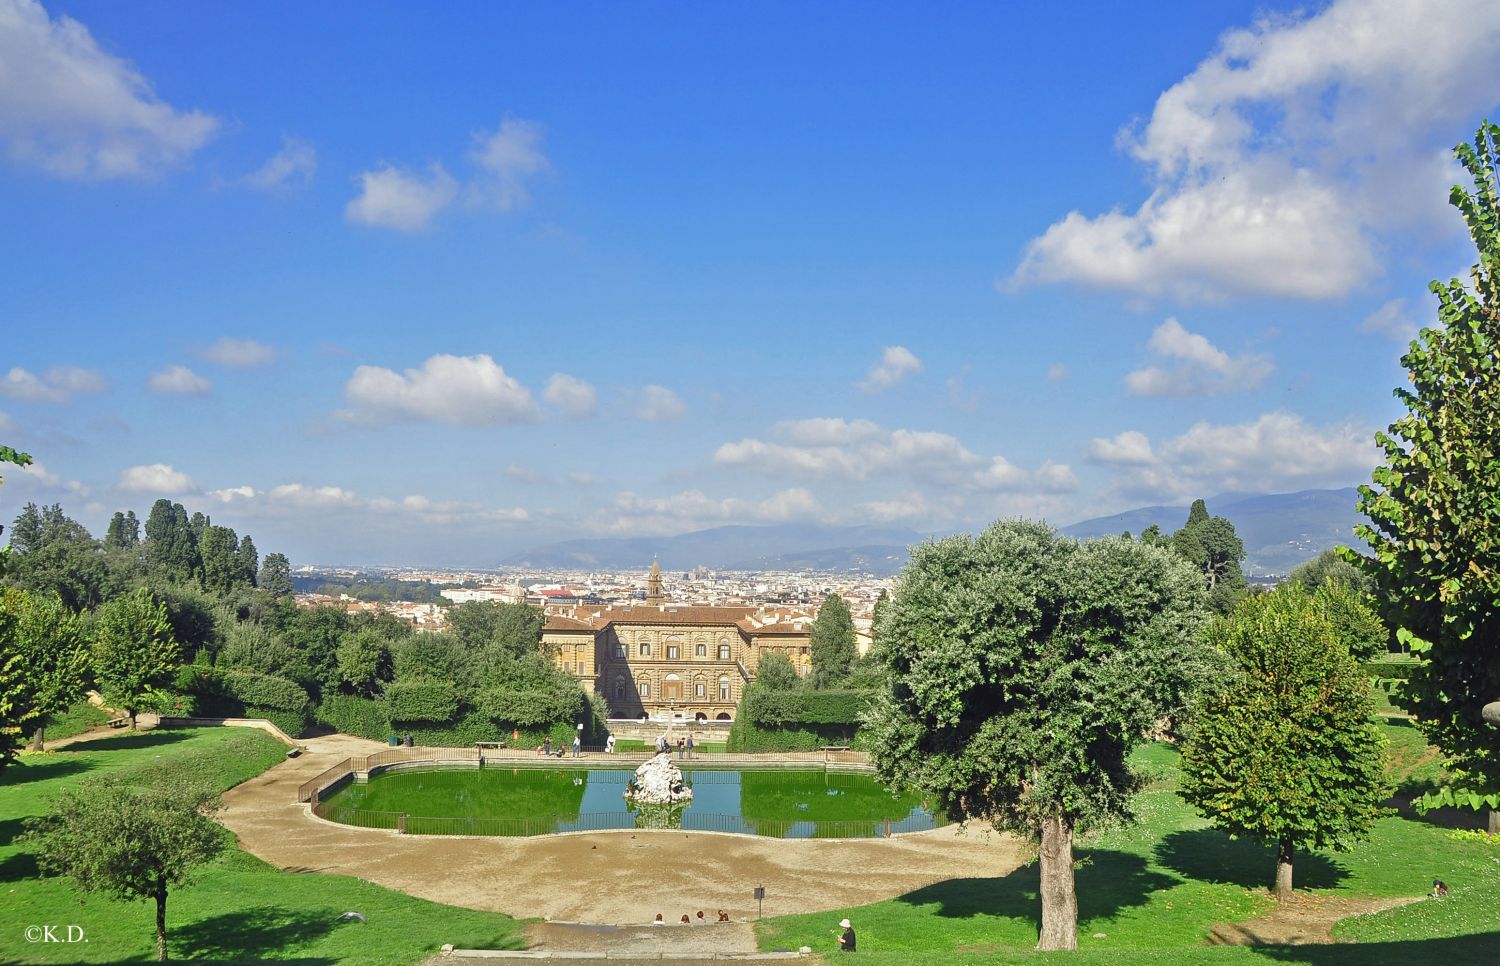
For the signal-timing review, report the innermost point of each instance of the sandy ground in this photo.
(621, 878)
(1300, 920)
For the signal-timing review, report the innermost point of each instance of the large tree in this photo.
(55, 554)
(135, 653)
(54, 651)
(1288, 750)
(832, 643)
(171, 542)
(1025, 669)
(1434, 508)
(1214, 548)
(129, 842)
(275, 575)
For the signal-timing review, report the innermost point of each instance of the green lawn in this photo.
(241, 909)
(1162, 883)
(75, 721)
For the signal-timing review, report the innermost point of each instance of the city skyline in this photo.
(468, 280)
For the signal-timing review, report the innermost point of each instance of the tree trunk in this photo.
(39, 740)
(161, 922)
(1494, 825)
(1284, 870)
(131, 712)
(1059, 894)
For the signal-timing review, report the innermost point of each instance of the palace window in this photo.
(619, 650)
(619, 689)
(700, 650)
(700, 690)
(645, 648)
(723, 687)
(672, 652)
(645, 689)
(723, 652)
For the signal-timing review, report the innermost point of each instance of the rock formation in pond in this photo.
(658, 782)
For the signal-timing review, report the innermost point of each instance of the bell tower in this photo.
(654, 594)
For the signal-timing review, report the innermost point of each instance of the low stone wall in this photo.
(636, 730)
(260, 723)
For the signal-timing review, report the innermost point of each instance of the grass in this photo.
(1162, 883)
(75, 720)
(240, 909)
(699, 747)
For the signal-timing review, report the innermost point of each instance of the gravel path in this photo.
(621, 878)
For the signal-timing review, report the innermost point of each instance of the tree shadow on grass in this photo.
(18, 867)
(154, 738)
(250, 935)
(1107, 882)
(1448, 951)
(1209, 855)
(38, 770)
(10, 830)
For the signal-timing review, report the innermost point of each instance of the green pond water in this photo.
(498, 800)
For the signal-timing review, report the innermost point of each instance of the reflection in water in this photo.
(529, 801)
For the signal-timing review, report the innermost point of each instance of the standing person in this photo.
(547, 745)
(846, 938)
(577, 746)
(690, 746)
(609, 744)
(680, 749)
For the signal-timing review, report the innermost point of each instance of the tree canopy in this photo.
(1434, 506)
(1025, 669)
(135, 653)
(832, 643)
(1288, 750)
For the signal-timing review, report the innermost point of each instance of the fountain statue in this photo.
(658, 782)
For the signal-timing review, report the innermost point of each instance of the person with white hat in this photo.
(846, 938)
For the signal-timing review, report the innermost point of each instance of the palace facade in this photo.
(661, 660)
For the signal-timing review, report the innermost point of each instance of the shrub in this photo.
(777, 708)
(363, 717)
(512, 707)
(421, 701)
(746, 736)
(1393, 670)
(265, 691)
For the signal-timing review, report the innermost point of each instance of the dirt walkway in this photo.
(143, 722)
(1303, 919)
(598, 877)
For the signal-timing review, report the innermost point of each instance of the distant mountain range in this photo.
(1279, 530)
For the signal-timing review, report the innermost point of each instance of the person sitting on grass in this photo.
(1439, 889)
(846, 938)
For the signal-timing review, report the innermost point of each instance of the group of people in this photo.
(684, 745)
(545, 748)
(698, 920)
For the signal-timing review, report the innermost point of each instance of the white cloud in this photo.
(1057, 372)
(859, 449)
(658, 404)
(462, 390)
(58, 384)
(1276, 452)
(896, 363)
(73, 110)
(1199, 367)
(293, 166)
(959, 396)
(524, 474)
(1394, 320)
(692, 509)
(155, 478)
(579, 478)
(1277, 163)
(178, 381)
(507, 158)
(232, 494)
(392, 198)
(303, 496)
(572, 395)
(239, 353)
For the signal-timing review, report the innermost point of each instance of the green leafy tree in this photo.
(129, 843)
(249, 560)
(16, 712)
(1288, 752)
(54, 653)
(1330, 565)
(497, 629)
(1215, 549)
(135, 654)
(776, 673)
(1358, 628)
(171, 543)
(124, 531)
(276, 575)
(364, 659)
(832, 642)
(1024, 670)
(1434, 508)
(218, 550)
(54, 554)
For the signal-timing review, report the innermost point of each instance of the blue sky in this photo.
(435, 283)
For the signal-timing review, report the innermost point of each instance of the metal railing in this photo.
(686, 820)
(308, 790)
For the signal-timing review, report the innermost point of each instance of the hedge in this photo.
(421, 701)
(513, 707)
(1393, 670)
(769, 708)
(245, 694)
(265, 691)
(355, 716)
(746, 736)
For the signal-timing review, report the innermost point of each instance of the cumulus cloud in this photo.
(693, 509)
(239, 353)
(293, 166)
(1394, 320)
(506, 159)
(72, 110)
(155, 478)
(296, 501)
(58, 384)
(390, 197)
(658, 404)
(859, 449)
(461, 390)
(896, 363)
(1277, 163)
(178, 381)
(1196, 367)
(1276, 452)
(572, 395)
